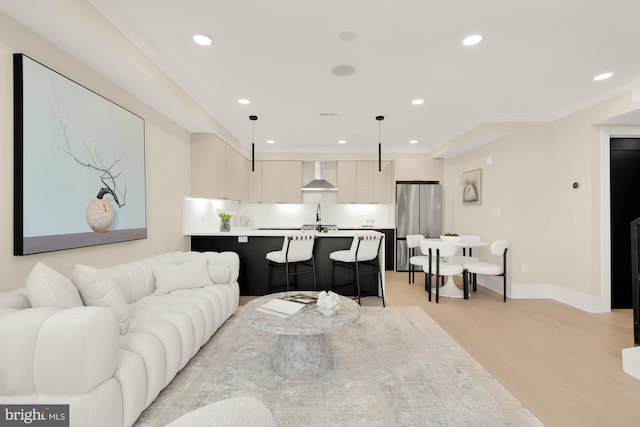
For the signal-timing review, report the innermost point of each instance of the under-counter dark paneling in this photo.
(254, 273)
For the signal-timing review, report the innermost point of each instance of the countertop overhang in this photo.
(241, 231)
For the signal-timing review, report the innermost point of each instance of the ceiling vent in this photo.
(319, 183)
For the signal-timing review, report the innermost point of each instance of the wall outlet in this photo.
(524, 268)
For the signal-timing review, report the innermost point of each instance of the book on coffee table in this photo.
(301, 298)
(285, 306)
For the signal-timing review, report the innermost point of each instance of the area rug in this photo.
(395, 367)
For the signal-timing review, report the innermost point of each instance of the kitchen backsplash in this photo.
(200, 215)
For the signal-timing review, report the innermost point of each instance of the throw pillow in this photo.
(48, 288)
(96, 289)
(192, 274)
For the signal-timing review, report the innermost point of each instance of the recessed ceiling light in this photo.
(347, 35)
(602, 76)
(472, 40)
(343, 70)
(270, 141)
(342, 141)
(244, 101)
(417, 101)
(202, 40)
(413, 141)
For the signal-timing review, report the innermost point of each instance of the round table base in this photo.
(450, 290)
(300, 357)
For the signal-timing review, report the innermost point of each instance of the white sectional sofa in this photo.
(109, 349)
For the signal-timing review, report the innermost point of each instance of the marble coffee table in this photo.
(301, 349)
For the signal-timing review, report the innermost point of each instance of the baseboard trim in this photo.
(582, 301)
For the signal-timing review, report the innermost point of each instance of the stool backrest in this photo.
(299, 247)
(367, 246)
(413, 240)
(439, 247)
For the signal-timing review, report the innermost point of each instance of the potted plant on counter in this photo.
(225, 218)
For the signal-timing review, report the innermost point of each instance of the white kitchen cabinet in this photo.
(255, 182)
(383, 183)
(271, 181)
(346, 181)
(291, 182)
(217, 169)
(281, 181)
(208, 166)
(364, 181)
(237, 175)
(361, 182)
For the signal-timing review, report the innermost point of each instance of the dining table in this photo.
(450, 290)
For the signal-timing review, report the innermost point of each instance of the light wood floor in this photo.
(563, 364)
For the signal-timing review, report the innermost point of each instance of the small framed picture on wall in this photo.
(472, 187)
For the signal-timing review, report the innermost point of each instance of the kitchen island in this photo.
(252, 244)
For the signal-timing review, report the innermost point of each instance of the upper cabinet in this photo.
(217, 170)
(361, 182)
(281, 181)
(346, 181)
(255, 183)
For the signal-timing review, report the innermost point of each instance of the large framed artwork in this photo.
(79, 164)
(472, 187)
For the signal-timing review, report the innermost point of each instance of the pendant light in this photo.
(379, 119)
(253, 145)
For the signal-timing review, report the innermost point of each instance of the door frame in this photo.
(606, 133)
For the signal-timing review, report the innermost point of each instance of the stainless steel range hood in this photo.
(319, 183)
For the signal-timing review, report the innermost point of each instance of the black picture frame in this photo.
(79, 164)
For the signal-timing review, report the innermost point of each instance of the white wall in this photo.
(167, 166)
(553, 228)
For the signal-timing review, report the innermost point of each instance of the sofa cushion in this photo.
(96, 289)
(17, 299)
(192, 274)
(48, 288)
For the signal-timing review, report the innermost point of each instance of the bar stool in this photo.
(362, 258)
(413, 242)
(296, 250)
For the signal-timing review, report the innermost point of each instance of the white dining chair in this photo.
(413, 244)
(362, 258)
(466, 258)
(498, 248)
(437, 250)
(296, 250)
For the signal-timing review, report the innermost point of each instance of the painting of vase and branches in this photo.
(80, 167)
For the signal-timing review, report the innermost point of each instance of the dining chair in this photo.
(296, 251)
(466, 258)
(413, 243)
(363, 258)
(498, 248)
(437, 251)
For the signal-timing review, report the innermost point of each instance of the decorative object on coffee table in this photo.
(328, 303)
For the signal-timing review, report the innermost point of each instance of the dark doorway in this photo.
(625, 207)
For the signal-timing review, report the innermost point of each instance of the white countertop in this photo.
(242, 231)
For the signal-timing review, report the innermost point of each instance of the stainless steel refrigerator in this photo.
(418, 211)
